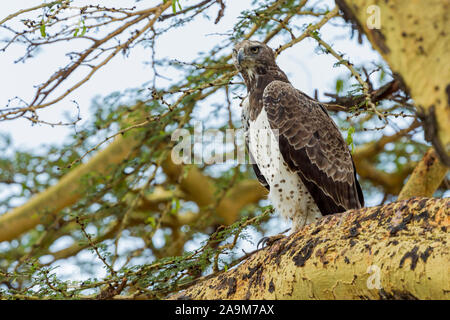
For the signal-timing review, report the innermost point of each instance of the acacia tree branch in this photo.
(60, 76)
(371, 149)
(370, 253)
(244, 193)
(95, 52)
(345, 103)
(66, 192)
(365, 86)
(426, 177)
(307, 33)
(17, 13)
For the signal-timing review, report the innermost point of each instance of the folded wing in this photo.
(313, 147)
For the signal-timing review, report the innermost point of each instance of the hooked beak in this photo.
(240, 55)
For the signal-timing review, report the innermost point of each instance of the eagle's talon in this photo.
(268, 241)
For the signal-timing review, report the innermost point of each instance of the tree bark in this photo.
(202, 190)
(426, 177)
(396, 251)
(414, 38)
(198, 188)
(45, 205)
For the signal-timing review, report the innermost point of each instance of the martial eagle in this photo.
(305, 163)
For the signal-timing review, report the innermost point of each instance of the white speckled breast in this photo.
(288, 194)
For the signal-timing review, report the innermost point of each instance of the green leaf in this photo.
(151, 221)
(174, 6)
(315, 34)
(42, 29)
(175, 206)
(339, 85)
(83, 31)
(349, 139)
(382, 74)
(51, 4)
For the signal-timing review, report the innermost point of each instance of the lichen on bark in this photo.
(399, 250)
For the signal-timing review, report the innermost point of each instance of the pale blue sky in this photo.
(307, 70)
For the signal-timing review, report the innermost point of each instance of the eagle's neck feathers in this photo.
(257, 79)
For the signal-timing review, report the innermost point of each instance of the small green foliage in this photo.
(51, 4)
(151, 221)
(339, 85)
(349, 139)
(175, 206)
(81, 25)
(382, 74)
(42, 29)
(315, 34)
(175, 3)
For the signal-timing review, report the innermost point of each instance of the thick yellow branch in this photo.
(399, 250)
(242, 194)
(45, 205)
(365, 155)
(201, 189)
(195, 185)
(426, 177)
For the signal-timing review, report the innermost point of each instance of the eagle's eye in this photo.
(254, 50)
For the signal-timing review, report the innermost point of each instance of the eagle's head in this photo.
(253, 58)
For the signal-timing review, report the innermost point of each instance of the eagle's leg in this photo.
(309, 214)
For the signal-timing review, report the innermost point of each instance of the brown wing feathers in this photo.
(312, 146)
